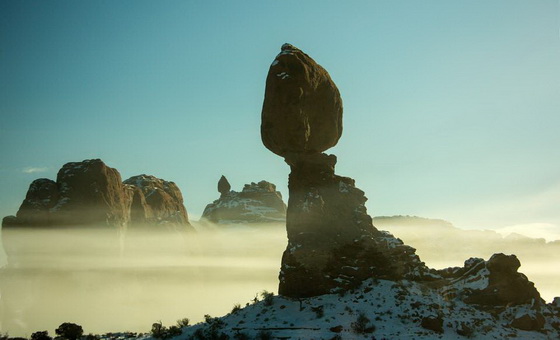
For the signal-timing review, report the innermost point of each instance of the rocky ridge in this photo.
(91, 193)
(256, 203)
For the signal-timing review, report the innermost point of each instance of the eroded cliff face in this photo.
(156, 202)
(90, 193)
(85, 193)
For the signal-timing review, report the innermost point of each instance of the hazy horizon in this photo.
(90, 277)
(450, 108)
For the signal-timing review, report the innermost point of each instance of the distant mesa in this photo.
(256, 203)
(91, 193)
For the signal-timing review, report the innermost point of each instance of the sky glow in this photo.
(451, 109)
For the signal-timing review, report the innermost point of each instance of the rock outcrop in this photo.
(223, 185)
(84, 193)
(92, 193)
(256, 203)
(302, 111)
(332, 243)
(155, 201)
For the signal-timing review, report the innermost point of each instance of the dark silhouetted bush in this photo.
(362, 326)
(41, 335)
(161, 332)
(264, 335)
(69, 331)
(236, 308)
(183, 322)
(268, 297)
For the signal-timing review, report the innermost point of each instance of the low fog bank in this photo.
(440, 245)
(108, 282)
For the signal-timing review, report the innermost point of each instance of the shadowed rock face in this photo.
(156, 202)
(302, 110)
(84, 193)
(91, 193)
(332, 243)
(223, 185)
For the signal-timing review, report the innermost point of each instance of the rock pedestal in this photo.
(332, 243)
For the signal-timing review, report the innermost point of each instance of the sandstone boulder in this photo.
(223, 185)
(155, 201)
(85, 193)
(302, 110)
(89, 193)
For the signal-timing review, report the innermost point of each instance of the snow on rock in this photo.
(378, 309)
(156, 203)
(256, 203)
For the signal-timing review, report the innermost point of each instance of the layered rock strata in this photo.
(256, 203)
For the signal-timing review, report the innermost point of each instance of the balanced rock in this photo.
(332, 243)
(256, 203)
(155, 201)
(223, 185)
(302, 110)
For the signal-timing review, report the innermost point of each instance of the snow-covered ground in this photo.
(379, 309)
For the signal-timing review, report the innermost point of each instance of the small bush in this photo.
(158, 330)
(361, 326)
(212, 330)
(236, 308)
(319, 311)
(241, 336)
(161, 332)
(41, 335)
(264, 335)
(69, 331)
(183, 322)
(268, 297)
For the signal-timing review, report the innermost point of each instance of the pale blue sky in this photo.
(451, 108)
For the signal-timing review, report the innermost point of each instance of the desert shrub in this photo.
(69, 331)
(241, 336)
(183, 322)
(268, 297)
(362, 325)
(236, 308)
(319, 311)
(264, 335)
(41, 335)
(212, 330)
(158, 330)
(161, 332)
